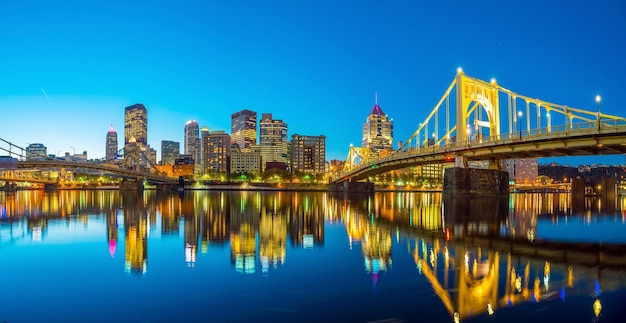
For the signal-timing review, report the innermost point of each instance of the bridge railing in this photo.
(556, 131)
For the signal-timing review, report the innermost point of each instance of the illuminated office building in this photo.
(216, 151)
(523, 170)
(170, 150)
(308, 154)
(272, 139)
(377, 130)
(243, 129)
(241, 162)
(136, 149)
(36, 152)
(136, 124)
(192, 140)
(111, 145)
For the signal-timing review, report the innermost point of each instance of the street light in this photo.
(519, 123)
(598, 99)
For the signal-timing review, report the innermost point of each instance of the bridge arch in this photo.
(485, 95)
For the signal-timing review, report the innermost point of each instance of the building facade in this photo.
(170, 150)
(272, 140)
(192, 140)
(308, 154)
(36, 152)
(136, 124)
(111, 145)
(523, 170)
(377, 130)
(204, 154)
(136, 150)
(245, 162)
(217, 148)
(243, 129)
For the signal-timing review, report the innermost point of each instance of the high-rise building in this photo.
(243, 129)
(36, 152)
(272, 139)
(217, 148)
(308, 154)
(377, 130)
(204, 154)
(192, 138)
(136, 149)
(111, 145)
(170, 150)
(136, 124)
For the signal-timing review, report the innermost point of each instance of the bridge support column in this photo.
(470, 182)
(352, 187)
(50, 187)
(9, 187)
(130, 185)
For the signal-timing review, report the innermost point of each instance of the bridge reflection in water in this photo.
(478, 255)
(483, 254)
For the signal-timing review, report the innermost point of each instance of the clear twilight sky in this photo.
(69, 68)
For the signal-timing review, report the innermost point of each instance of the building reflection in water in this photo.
(479, 255)
(470, 250)
(136, 229)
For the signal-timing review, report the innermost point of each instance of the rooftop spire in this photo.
(111, 129)
(376, 98)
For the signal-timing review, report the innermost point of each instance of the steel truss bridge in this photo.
(491, 123)
(22, 170)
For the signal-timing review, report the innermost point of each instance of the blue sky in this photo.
(68, 68)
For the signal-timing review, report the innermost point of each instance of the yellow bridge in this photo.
(491, 123)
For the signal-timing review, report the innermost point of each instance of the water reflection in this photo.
(478, 256)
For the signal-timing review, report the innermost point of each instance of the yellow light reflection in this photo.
(597, 307)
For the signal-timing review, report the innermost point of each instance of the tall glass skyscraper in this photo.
(272, 139)
(243, 129)
(136, 149)
(377, 130)
(192, 140)
(111, 145)
(136, 124)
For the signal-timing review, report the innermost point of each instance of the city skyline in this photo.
(72, 67)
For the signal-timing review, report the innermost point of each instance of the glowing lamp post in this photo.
(598, 99)
(519, 124)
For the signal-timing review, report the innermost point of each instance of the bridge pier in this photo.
(472, 182)
(130, 185)
(352, 187)
(9, 187)
(50, 187)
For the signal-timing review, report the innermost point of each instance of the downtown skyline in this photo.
(72, 67)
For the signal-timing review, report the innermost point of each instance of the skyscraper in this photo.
(170, 150)
(136, 149)
(111, 145)
(272, 139)
(192, 139)
(308, 154)
(243, 129)
(136, 124)
(377, 130)
(204, 137)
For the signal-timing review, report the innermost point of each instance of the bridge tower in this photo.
(461, 180)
